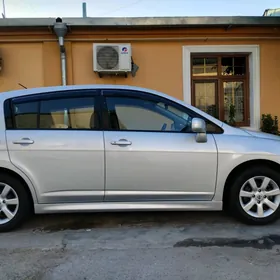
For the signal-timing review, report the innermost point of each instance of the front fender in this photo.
(236, 150)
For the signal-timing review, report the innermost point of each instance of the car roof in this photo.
(36, 90)
(30, 91)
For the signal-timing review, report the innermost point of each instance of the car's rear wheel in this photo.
(14, 203)
(255, 195)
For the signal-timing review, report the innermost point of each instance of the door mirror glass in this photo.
(199, 127)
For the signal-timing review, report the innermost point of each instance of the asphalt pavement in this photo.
(145, 245)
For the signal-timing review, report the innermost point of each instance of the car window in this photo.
(74, 113)
(63, 113)
(212, 128)
(25, 115)
(127, 113)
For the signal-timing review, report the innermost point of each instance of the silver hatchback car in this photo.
(119, 148)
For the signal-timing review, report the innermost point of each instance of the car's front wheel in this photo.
(14, 202)
(255, 195)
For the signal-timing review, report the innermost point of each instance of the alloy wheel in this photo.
(259, 196)
(9, 203)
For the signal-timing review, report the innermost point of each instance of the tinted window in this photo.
(63, 113)
(74, 113)
(8, 114)
(26, 115)
(139, 114)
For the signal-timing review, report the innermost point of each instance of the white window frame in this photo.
(254, 74)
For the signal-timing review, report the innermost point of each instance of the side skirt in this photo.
(129, 206)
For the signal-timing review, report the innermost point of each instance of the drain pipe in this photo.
(60, 30)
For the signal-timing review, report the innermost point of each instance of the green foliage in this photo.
(212, 110)
(269, 124)
(231, 117)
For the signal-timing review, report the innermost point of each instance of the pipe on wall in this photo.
(60, 30)
(63, 65)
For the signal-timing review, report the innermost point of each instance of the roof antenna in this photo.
(22, 85)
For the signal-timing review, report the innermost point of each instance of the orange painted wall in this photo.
(270, 77)
(51, 64)
(38, 64)
(22, 63)
(161, 68)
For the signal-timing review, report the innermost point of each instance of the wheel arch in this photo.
(247, 164)
(29, 192)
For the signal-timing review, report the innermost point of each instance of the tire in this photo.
(260, 196)
(20, 211)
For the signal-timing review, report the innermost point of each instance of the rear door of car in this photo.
(56, 140)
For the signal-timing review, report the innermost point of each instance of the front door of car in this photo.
(55, 140)
(151, 152)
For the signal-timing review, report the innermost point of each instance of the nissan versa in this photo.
(118, 148)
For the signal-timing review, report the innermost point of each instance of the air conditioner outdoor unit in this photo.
(112, 58)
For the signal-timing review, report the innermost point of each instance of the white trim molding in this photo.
(254, 69)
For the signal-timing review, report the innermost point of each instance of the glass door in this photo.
(205, 96)
(234, 101)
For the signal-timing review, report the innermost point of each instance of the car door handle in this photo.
(23, 141)
(121, 142)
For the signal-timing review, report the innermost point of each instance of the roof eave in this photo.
(140, 22)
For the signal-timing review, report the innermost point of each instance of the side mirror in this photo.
(199, 127)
